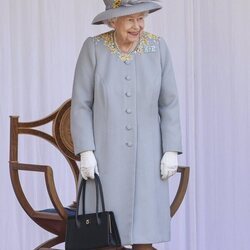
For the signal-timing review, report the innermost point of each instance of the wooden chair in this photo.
(54, 219)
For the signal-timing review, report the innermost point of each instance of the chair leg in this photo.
(50, 243)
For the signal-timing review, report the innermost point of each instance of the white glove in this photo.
(169, 164)
(88, 165)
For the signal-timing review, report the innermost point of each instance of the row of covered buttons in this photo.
(128, 94)
(129, 143)
(128, 110)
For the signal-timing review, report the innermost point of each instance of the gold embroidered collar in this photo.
(147, 44)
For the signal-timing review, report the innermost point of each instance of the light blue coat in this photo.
(125, 108)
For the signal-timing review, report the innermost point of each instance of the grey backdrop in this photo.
(210, 46)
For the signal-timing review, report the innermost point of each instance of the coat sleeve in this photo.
(82, 99)
(169, 104)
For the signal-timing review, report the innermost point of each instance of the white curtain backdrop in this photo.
(210, 46)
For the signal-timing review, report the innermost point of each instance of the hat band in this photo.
(119, 3)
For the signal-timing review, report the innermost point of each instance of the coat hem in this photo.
(147, 242)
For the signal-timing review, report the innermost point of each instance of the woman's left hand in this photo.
(169, 164)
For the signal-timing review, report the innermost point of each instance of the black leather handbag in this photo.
(91, 231)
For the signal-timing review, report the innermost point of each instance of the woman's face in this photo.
(129, 28)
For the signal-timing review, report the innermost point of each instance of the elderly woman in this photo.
(125, 121)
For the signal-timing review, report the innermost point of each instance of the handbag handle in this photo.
(81, 190)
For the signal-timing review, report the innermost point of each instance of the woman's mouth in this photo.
(134, 33)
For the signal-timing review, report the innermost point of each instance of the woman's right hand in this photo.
(88, 165)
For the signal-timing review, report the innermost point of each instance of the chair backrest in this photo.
(61, 131)
(59, 137)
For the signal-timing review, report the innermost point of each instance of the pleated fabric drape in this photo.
(210, 47)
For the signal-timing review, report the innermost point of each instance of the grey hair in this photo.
(109, 21)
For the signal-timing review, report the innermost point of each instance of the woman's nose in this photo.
(136, 24)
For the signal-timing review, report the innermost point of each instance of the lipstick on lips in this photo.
(134, 33)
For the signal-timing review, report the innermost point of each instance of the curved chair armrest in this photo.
(48, 172)
(181, 190)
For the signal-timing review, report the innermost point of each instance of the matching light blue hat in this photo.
(116, 8)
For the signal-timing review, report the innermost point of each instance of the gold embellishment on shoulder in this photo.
(116, 4)
(148, 44)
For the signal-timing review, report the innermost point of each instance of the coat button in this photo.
(128, 127)
(127, 62)
(129, 111)
(129, 144)
(128, 78)
(128, 94)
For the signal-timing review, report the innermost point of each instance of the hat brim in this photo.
(125, 10)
